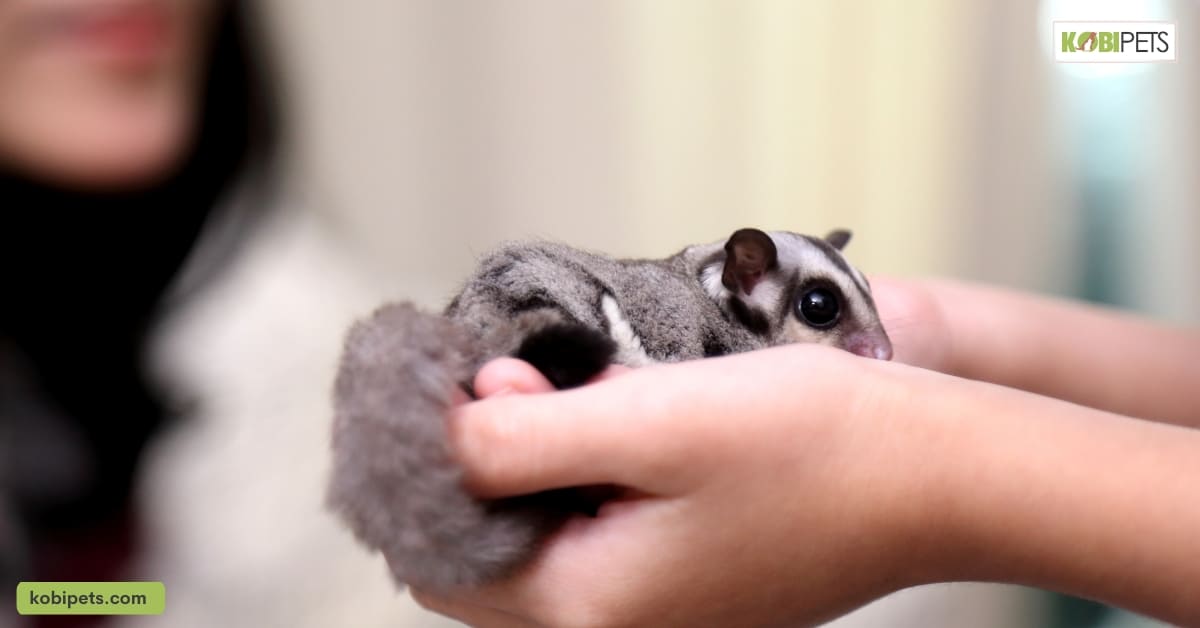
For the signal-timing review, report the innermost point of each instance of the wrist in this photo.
(963, 475)
(990, 485)
(1024, 489)
(911, 461)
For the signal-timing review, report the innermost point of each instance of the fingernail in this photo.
(507, 390)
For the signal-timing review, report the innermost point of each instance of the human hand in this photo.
(916, 322)
(1078, 352)
(727, 463)
(790, 485)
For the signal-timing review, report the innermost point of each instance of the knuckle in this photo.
(487, 439)
(502, 427)
(486, 426)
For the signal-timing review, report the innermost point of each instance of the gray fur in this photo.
(394, 482)
(662, 299)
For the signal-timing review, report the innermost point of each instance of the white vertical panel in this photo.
(1164, 272)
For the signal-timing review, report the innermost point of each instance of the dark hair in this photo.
(83, 275)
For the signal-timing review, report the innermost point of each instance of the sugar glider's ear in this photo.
(749, 254)
(838, 238)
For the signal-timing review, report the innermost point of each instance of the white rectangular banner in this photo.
(1114, 42)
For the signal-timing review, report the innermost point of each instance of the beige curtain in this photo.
(435, 129)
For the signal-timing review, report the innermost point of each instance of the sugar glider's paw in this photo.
(394, 482)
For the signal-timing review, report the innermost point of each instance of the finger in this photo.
(458, 397)
(613, 370)
(910, 316)
(475, 615)
(508, 375)
(518, 444)
(504, 375)
(536, 592)
(893, 300)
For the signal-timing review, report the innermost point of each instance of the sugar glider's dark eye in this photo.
(818, 307)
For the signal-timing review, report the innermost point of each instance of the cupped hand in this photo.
(762, 489)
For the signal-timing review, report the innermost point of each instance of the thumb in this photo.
(510, 375)
(519, 444)
(504, 376)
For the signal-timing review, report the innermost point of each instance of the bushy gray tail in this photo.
(394, 482)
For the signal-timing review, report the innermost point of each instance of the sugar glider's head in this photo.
(789, 287)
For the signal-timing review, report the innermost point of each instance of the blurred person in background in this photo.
(126, 129)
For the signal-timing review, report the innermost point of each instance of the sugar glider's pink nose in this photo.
(870, 344)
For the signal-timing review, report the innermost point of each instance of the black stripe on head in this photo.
(837, 260)
(790, 293)
(753, 320)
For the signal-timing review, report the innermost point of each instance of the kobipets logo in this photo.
(1114, 42)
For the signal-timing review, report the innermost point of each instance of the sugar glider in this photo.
(570, 313)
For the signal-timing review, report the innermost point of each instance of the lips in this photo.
(129, 34)
(132, 35)
(139, 30)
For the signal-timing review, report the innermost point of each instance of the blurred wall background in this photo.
(425, 131)
(433, 129)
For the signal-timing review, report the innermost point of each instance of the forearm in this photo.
(1072, 351)
(1035, 491)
